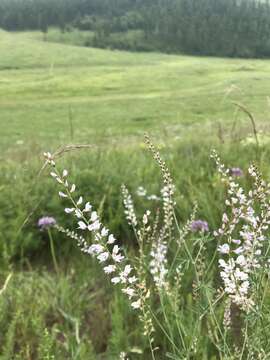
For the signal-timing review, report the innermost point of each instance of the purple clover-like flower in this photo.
(236, 171)
(199, 225)
(46, 222)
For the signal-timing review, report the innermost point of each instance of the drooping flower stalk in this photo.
(104, 247)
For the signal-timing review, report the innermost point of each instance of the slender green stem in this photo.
(56, 268)
(163, 330)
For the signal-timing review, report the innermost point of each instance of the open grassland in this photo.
(52, 93)
(55, 94)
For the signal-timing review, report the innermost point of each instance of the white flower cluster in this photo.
(168, 207)
(167, 191)
(104, 248)
(242, 229)
(158, 264)
(129, 207)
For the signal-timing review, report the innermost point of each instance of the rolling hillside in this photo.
(61, 92)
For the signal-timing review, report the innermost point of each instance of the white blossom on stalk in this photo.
(82, 225)
(104, 248)
(224, 249)
(87, 207)
(145, 217)
(49, 158)
(136, 304)
(109, 269)
(111, 239)
(103, 257)
(129, 207)
(69, 210)
(158, 263)
(243, 226)
(73, 188)
(79, 202)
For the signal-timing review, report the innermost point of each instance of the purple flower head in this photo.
(199, 225)
(46, 222)
(235, 171)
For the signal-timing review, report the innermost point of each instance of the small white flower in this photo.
(132, 279)
(69, 210)
(240, 275)
(136, 304)
(79, 202)
(145, 219)
(224, 249)
(222, 263)
(244, 287)
(78, 213)
(47, 155)
(115, 249)
(65, 173)
(87, 207)
(82, 225)
(238, 250)
(117, 258)
(103, 257)
(104, 232)
(109, 269)
(94, 216)
(61, 194)
(241, 260)
(129, 291)
(116, 280)
(95, 249)
(73, 188)
(95, 226)
(53, 174)
(225, 218)
(111, 239)
(127, 270)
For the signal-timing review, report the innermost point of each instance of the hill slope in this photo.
(44, 87)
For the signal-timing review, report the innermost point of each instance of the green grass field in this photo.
(118, 95)
(54, 94)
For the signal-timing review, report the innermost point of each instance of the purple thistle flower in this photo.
(199, 225)
(46, 222)
(236, 171)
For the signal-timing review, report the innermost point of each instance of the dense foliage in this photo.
(209, 27)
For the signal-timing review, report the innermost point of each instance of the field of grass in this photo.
(54, 94)
(43, 85)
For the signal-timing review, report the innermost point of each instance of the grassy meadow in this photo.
(124, 93)
(55, 94)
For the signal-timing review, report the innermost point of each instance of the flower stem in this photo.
(56, 268)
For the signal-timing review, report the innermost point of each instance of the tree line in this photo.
(204, 27)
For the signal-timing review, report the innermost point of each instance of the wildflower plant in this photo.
(242, 235)
(172, 282)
